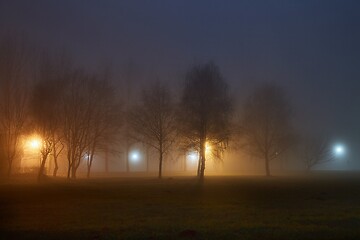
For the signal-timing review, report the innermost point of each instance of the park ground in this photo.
(312, 206)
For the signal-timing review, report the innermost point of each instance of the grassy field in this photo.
(325, 206)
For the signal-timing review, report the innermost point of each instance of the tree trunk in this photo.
(202, 170)
(73, 169)
(203, 159)
(89, 164)
(267, 166)
(160, 162)
(127, 158)
(147, 158)
(106, 160)
(55, 169)
(42, 167)
(88, 171)
(69, 164)
(68, 172)
(199, 165)
(76, 166)
(56, 152)
(73, 172)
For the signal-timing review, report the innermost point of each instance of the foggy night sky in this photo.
(312, 48)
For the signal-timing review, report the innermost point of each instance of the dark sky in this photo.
(312, 48)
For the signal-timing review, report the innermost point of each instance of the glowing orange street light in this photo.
(207, 148)
(34, 143)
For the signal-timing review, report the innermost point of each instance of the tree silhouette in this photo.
(14, 94)
(45, 106)
(153, 122)
(266, 124)
(90, 118)
(104, 121)
(205, 110)
(315, 151)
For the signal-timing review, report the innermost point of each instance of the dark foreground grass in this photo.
(313, 207)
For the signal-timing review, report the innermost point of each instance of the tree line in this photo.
(78, 114)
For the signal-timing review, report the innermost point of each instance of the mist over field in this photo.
(179, 120)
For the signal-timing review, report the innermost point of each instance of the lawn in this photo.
(325, 206)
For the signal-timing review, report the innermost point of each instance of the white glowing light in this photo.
(339, 150)
(135, 156)
(193, 156)
(87, 156)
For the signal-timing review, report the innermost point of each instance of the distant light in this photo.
(207, 147)
(87, 156)
(34, 143)
(339, 150)
(193, 156)
(135, 156)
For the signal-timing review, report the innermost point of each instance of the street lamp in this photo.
(32, 148)
(207, 147)
(339, 150)
(193, 156)
(34, 143)
(135, 156)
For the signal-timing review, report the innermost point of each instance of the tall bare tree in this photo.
(153, 122)
(45, 106)
(14, 92)
(104, 121)
(75, 116)
(205, 112)
(90, 118)
(266, 124)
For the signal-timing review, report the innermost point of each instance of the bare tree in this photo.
(266, 124)
(43, 120)
(14, 83)
(45, 106)
(153, 122)
(205, 112)
(90, 118)
(315, 151)
(104, 121)
(57, 148)
(75, 112)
